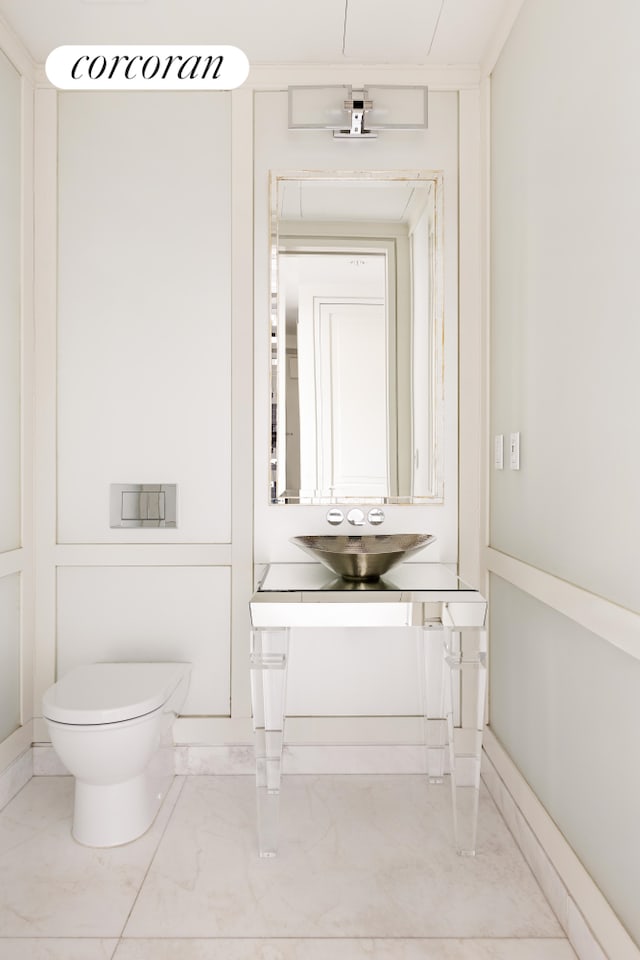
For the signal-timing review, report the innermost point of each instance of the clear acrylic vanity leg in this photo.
(269, 655)
(465, 642)
(434, 679)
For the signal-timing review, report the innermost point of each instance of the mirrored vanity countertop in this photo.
(307, 594)
(406, 578)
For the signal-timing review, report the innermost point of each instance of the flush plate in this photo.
(143, 505)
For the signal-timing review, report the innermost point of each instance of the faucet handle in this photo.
(356, 517)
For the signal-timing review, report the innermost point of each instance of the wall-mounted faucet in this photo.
(356, 517)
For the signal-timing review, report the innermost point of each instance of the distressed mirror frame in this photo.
(435, 265)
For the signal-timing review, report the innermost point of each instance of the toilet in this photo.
(111, 725)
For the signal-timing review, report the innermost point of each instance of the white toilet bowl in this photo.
(110, 724)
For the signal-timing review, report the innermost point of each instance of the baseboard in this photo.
(239, 759)
(15, 776)
(592, 927)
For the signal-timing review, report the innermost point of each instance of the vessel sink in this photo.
(363, 558)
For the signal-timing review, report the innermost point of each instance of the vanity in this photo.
(357, 416)
(449, 620)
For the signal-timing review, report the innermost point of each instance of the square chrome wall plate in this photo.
(143, 505)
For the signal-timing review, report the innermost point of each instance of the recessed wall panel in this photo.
(353, 672)
(564, 703)
(565, 297)
(144, 361)
(9, 654)
(10, 304)
(150, 613)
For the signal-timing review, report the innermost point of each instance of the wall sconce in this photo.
(357, 114)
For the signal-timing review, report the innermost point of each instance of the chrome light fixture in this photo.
(357, 114)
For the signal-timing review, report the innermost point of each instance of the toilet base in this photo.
(108, 815)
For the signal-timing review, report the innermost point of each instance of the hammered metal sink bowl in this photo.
(363, 558)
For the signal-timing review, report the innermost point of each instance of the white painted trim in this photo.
(617, 625)
(20, 561)
(242, 432)
(470, 336)
(278, 76)
(312, 731)
(14, 49)
(304, 730)
(583, 894)
(500, 37)
(42, 81)
(45, 301)
(355, 730)
(27, 411)
(142, 554)
(281, 76)
(485, 433)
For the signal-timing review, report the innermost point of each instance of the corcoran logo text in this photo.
(98, 67)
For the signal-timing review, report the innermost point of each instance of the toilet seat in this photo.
(99, 693)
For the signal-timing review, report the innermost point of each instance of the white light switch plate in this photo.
(514, 451)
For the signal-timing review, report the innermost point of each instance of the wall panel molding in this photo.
(143, 554)
(617, 625)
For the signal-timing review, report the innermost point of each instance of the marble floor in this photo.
(365, 869)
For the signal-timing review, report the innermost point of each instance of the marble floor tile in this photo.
(361, 949)
(360, 856)
(62, 948)
(51, 886)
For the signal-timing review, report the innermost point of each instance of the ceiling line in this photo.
(344, 28)
(435, 29)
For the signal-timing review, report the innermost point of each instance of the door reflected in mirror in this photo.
(356, 337)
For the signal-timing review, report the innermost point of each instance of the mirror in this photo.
(356, 337)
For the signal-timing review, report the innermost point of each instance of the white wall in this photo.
(134, 204)
(10, 604)
(376, 669)
(143, 310)
(163, 613)
(10, 391)
(16, 409)
(565, 705)
(565, 344)
(146, 371)
(10, 304)
(279, 149)
(566, 207)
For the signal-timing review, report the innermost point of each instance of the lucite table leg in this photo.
(434, 689)
(466, 661)
(269, 655)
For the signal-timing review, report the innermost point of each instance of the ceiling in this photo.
(350, 200)
(430, 32)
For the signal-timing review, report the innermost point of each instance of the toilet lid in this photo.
(109, 692)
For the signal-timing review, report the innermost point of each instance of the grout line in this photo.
(180, 788)
(367, 937)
